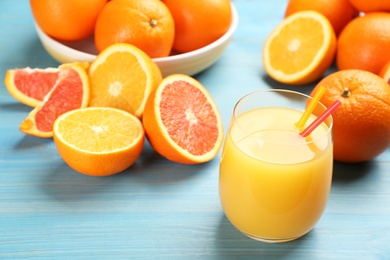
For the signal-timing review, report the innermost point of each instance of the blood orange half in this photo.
(70, 91)
(182, 122)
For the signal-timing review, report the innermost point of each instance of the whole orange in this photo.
(67, 20)
(338, 12)
(361, 129)
(199, 23)
(146, 24)
(365, 43)
(385, 72)
(371, 6)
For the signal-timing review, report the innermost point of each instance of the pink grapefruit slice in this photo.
(30, 85)
(182, 121)
(70, 91)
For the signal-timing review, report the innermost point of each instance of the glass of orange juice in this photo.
(273, 183)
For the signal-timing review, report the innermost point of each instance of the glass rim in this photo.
(327, 133)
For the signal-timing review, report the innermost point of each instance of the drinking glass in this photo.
(273, 183)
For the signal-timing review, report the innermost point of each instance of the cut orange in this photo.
(300, 49)
(99, 141)
(182, 122)
(122, 76)
(30, 85)
(70, 91)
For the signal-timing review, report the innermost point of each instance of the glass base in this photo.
(272, 240)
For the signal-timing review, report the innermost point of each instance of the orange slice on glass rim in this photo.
(182, 122)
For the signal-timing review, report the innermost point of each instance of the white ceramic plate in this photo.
(189, 63)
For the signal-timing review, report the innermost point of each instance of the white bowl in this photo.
(189, 63)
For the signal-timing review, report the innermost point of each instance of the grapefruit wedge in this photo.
(182, 122)
(70, 91)
(30, 85)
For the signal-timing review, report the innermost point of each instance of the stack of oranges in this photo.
(355, 35)
(156, 27)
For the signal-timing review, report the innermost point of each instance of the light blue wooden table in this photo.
(159, 209)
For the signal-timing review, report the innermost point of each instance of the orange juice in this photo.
(274, 184)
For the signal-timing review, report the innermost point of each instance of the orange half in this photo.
(300, 48)
(122, 76)
(98, 141)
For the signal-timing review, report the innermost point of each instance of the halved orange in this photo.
(122, 76)
(99, 141)
(30, 85)
(300, 49)
(70, 91)
(182, 121)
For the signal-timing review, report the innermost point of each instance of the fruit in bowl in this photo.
(190, 62)
(146, 24)
(198, 23)
(67, 20)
